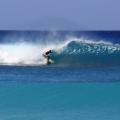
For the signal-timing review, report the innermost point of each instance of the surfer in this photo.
(47, 56)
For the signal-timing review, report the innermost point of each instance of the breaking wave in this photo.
(72, 52)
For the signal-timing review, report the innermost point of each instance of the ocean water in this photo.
(83, 81)
(65, 101)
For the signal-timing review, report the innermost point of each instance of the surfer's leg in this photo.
(48, 60)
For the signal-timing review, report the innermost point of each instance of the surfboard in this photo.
(49, 62)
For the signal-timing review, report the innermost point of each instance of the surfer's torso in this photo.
(47, 56)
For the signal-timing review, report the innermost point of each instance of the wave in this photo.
(72, 52)
(88, 53)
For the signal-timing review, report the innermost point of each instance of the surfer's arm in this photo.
(44, 55)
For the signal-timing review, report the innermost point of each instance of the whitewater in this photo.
(70, 52)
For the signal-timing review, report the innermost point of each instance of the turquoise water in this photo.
(60, 101)
(51, 93)
(82, 83)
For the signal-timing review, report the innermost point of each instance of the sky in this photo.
(59, 15)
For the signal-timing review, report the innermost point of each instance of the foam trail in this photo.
(24, 53)
(20, 53)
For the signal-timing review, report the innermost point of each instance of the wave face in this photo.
(88, 53)
(72, 52)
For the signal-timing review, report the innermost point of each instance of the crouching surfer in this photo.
(47, 56)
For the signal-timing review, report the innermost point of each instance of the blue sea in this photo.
(81, 83)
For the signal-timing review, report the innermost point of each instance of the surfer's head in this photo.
(48, 52)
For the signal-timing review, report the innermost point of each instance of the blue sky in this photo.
(59, 14)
